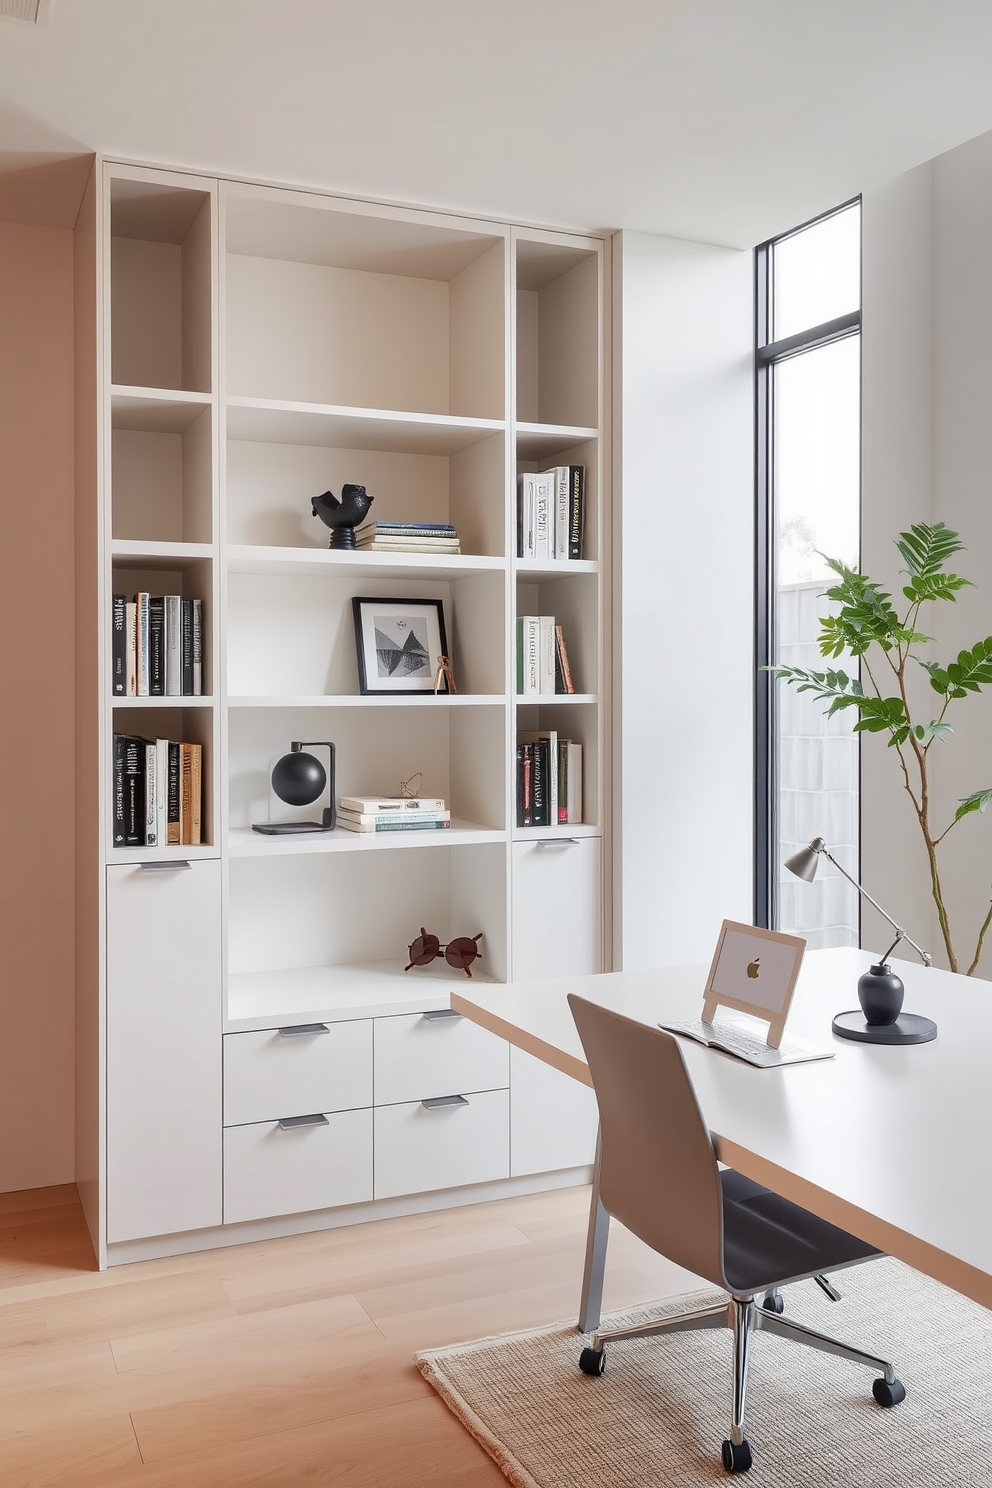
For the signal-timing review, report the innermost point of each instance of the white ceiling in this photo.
(720, 120)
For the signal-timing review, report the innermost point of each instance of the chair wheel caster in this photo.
(886, 1394)
(773, 1302)
(592, 1361)
(736, 1459)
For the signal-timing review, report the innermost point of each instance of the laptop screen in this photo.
(755, 968)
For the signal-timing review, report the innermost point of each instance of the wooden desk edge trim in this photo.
(947, 1269)
(529, 1042)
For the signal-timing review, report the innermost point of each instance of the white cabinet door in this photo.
(321, 1163)
(297, 1070)
(163, 1049)
(557, 908)
(422, 1054)
(553, 1118)
(420, 1147)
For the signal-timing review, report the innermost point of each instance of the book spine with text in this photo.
(151, 796)
(198, 647)
(576, 510)
(397, 804)
(530, 639)
(118, 830)
(141, 643)
(563, 782)
(173, 647)
(539, 784)
(562, 510)
(392, 818)
(156, 646)
(429, 825)
(174, 795)
(186, 795)
(118, 674)
(544, 514)
(134, 792)
(546, 664)
(186, 647)
(130, 643)
(196, 793)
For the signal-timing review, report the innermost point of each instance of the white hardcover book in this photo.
(151, 796)
(141, 643)
(547, 642)
(375, 804)
(173, 647)
(544, 503)
(391, 818)
(130, 641)
(562, 508)
(162, 791)
(574, 782)
(527, 513)
(531, 631)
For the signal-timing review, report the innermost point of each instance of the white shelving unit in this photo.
(254, 347)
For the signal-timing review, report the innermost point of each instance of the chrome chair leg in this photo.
(786, 1327)
(742, 1319)
(683, 1322)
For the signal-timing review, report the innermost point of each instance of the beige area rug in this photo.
(657, 1416)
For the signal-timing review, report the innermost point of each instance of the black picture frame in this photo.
(415, 638)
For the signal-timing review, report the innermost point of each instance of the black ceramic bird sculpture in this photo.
(343, 516)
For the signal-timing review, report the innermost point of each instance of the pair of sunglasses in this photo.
(458, 953)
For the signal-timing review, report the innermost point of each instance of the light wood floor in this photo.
(283, 1364)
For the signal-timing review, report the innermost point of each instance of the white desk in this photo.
(893, 1144)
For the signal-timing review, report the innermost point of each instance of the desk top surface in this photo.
(891, 1143)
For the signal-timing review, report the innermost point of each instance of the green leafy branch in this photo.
(868, 628)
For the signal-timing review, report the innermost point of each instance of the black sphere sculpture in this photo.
(299, 778)
(343, 516)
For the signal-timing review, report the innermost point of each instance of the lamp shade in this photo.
(803, 863)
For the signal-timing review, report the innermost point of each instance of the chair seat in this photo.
(769, 1241)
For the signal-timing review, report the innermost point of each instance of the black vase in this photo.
(880, 993)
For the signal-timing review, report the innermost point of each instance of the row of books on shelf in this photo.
(408, 537)
(549, 779)
(393, 814)
(157, 646)
(157, 792)
(542, 657)
(551, 512)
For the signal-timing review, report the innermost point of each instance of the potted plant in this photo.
(880, 641)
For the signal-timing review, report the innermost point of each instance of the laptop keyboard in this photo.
(730, 1038)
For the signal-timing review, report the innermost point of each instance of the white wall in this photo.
(683, 596)
(927, 346)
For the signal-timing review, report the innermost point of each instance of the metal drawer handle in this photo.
(546, 842)
(302, 1030)
(437, 1015)
(165, 865)
(437, 1101)
(290, 1123)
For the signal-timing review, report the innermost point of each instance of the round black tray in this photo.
(909, 1028)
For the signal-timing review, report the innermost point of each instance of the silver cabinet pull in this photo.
(437, 1015)
(290, 1123)
(559, 842)
(437, 1101)
(303, 1030)
(165, 865)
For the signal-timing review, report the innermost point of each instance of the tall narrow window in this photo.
(809, 508)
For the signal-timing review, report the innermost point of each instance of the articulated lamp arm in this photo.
(803, 864)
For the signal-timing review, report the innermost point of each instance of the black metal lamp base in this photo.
(908, 1028)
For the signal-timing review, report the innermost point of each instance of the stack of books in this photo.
(393, 814)
(549, 779)
(408, 537)
(551, 512)
(158, 792)
(157, 646)
(542, 658)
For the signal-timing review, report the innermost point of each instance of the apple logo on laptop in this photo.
(753, 968)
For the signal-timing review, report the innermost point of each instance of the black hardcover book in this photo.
(520, 785)
(118, 673)
(156, 646)
(560, 684)
(174, 801)
(520, 516)
(119, 833)
(576, 509)
(540, 782)
(134, 792)
(186, 658)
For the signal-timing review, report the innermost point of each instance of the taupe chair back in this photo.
(659, 1173)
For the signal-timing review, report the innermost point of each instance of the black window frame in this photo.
(769, 353)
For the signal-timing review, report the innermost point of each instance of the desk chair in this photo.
(660, 1177)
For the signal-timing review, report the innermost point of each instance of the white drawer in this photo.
(553, 1118)
(419, 1055)
(419, 1149)
(291, 1072)
(268, 1170)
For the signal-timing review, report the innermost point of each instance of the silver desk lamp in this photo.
(880, 992)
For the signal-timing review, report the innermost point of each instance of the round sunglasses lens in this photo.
(424, 949)
(461, 953)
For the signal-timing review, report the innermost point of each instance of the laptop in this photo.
(754, 973)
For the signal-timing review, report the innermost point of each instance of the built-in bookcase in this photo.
(258, 347)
